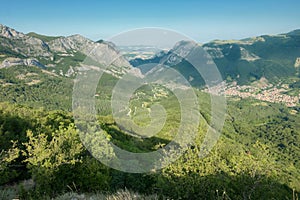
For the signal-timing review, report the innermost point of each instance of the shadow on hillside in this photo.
(12, 128)
(221, 186)
(92, 176)
(129, 142)
(192, 186)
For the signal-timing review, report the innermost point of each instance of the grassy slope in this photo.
(42, 37)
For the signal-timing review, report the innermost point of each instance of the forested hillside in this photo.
(256, 158)
(42, 155)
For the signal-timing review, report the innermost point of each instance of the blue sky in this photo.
(200, 20)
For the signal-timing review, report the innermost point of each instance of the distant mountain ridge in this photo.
(32, 65)
(269, 56)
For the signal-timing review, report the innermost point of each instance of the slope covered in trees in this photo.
(249, 161)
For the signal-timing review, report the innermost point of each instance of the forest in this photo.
(256, 157)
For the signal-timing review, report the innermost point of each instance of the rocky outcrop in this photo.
(297, 63)
(107, 57)
(66, 44)
(23, 44)
(105, 53)
(246, 55)
(9, 32)
(215, 52)
(9, 62)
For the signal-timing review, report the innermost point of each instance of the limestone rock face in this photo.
(9, 62)
(23, 44)
(9, 32)
(297, 63)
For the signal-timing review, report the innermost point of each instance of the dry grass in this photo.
(119, 195)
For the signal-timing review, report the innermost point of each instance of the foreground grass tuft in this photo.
(119, 195)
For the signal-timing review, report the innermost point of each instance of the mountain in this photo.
(41, 147)
(274, 57)
(39, 70)
(62, 55)
(14, 43)
(262, 63)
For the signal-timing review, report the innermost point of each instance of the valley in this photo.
(256, 155)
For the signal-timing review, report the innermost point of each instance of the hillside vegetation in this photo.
(257, 156)
(42, 155)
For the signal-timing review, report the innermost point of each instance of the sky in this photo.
(201, 20)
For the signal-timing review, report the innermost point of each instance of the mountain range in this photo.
(255, 157)
(273, 57)
(33, 62)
